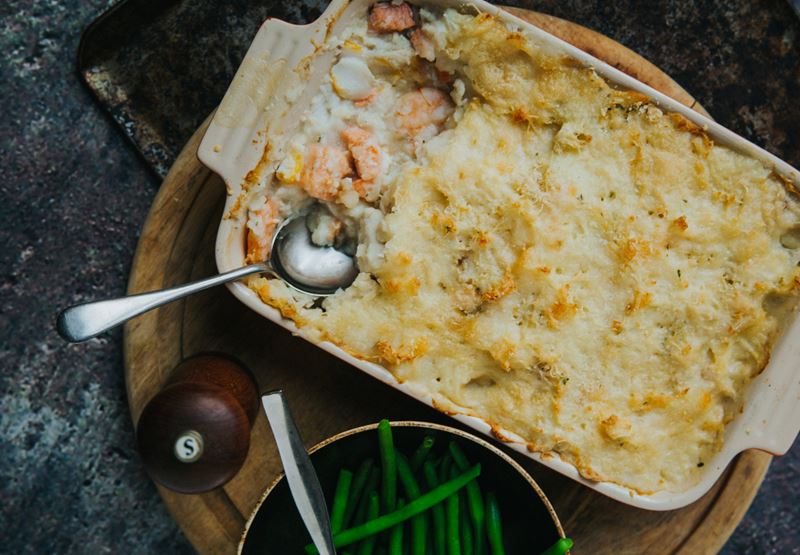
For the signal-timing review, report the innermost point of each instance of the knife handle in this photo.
(194, 435)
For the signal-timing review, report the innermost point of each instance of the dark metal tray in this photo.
(159, 67)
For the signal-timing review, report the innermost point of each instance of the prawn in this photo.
(367, 157)
(388, 18)
(365, 151)
(422, 112)
(323, 167)
(422, 45)
(261, 225)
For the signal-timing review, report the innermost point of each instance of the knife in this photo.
(303, 481)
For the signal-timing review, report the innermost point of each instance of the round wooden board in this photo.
(328, 396)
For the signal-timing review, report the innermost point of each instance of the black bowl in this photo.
(529, 523)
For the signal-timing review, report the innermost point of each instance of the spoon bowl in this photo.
(309, 268)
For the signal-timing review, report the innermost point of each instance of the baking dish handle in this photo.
(235, 139)
(771, 417)
(269, 81)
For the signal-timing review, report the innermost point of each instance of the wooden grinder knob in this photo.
(194, 435)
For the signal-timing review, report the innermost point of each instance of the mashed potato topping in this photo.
(556, 256)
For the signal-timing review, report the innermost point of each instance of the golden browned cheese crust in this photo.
(572, 265)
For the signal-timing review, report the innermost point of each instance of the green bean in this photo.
(418, 523)
(494, 529)
(372, 484)
(413, 508)
(359, 483)
(340, 499)
(373, 510)
(465, 526)
(437, 511)
(474, 496)
(559, 548)
(396, 535)
(361, 513)
(406, 476)
(388, 466)
(421, 453)
(453, 525)
(444, 469)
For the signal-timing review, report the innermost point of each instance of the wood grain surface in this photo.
(328, 396)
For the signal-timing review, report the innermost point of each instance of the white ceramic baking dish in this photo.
(282, 71)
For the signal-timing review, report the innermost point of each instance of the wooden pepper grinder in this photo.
(194, 435)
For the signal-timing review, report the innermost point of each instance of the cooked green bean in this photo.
(396, 535)
(388, 466)
(444, 469)
(363, 504)
(373, 510)
(474, 496)
(421, 453)
(419, 526)
(453, 524)
(559, 548)
(359, 483)
(465, 526)
(340, 498)
(494, 529)
(413, 508)
(437, 511)
(361, 513)
(406, 476)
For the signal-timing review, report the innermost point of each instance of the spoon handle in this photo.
(84, 321)
(300, 474)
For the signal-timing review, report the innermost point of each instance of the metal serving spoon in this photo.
(318, 271)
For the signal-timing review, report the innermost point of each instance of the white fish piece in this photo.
(352, 79)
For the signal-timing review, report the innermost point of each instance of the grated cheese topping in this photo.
(556, 256)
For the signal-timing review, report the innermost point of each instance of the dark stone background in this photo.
(74, 193)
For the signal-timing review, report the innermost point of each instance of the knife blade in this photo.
(303, 481)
